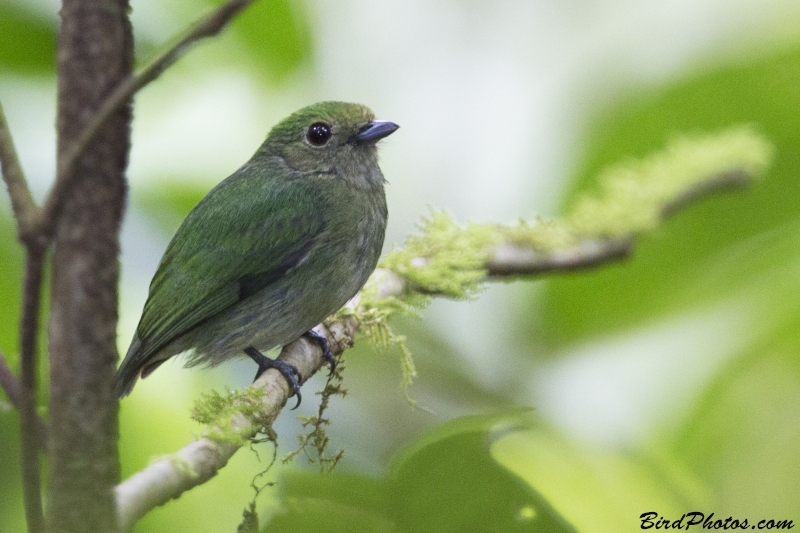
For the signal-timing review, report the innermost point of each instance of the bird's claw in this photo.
(289, 372)
(325, 346)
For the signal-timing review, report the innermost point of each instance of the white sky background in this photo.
(491, 98)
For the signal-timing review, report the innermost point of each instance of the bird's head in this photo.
(333, 138)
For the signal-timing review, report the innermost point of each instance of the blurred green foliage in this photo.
(445, 481)
(742, 439)
(763, 93)
(10, 283)
(169, 203)
(596, 490)
(277, 37)
(11, 516)
(739, 443)
(27, 42)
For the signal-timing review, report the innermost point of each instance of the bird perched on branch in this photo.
(272, 250)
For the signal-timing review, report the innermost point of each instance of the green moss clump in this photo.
(444, 258)
(372, 315)
(216, 411)
(538, 234)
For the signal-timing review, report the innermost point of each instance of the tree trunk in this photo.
(95, 51)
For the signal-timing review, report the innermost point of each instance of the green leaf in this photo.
(451, 483)
(445, 481)
(328, 503)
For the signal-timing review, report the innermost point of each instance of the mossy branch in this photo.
(447, 260)
(635, 197)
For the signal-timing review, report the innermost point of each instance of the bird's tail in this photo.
(128, 372)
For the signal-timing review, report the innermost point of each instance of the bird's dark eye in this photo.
(319, 133)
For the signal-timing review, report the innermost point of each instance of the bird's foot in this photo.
(324, 345)
(289, 372)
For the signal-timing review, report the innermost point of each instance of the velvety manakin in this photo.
(272, 250)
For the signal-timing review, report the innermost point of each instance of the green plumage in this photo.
(272, 250)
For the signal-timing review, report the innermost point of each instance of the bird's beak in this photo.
(374, 131)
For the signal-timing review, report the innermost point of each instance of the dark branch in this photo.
(28, 420)
(510, 260)
(731, 179)
(95, 54)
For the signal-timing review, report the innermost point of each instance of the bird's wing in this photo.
(239, 239)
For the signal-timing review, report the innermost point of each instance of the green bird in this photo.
(272, 250)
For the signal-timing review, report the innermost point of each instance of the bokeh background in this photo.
(668, 383)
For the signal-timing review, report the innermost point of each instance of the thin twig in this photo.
(730, 179)
(511, 260)
(10, 384)
(208, 26)
(31, 437)
(25, 209)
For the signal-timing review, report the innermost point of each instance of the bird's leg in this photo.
(288, 371)
(324, 345)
